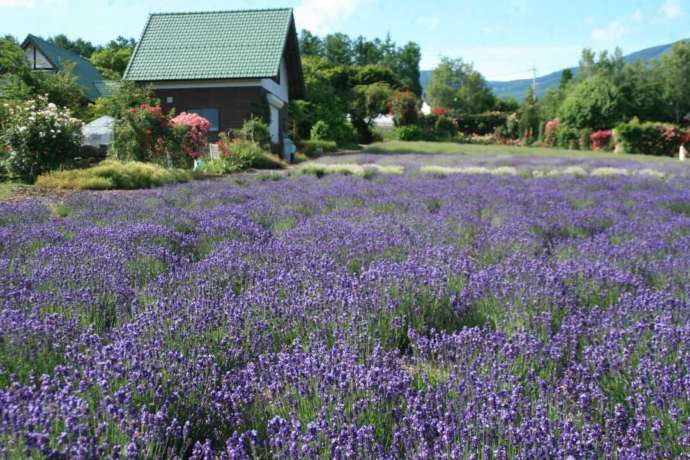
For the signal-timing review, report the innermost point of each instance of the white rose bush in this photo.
(41, 137)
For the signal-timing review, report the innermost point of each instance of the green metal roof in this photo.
(86, 72)
(211, 45)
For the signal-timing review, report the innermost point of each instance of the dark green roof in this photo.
(89, 77)
(211, 45)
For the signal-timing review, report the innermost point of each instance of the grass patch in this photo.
(111, 174)
(446, 170)
(425, 147)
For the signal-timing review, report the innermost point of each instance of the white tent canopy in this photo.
(98, 132)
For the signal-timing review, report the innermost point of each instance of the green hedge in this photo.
(482, 124)
(409, 133)
(650, 138)
(315, 148)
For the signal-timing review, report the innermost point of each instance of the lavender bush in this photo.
(465, 316)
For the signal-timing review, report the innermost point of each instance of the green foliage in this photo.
(456, 85)
(78, 46)
(256, 130)
(128, 95)
(444, 128)
(409, 133)
(649, 138)
(568, 138)
(368, 102)
(340, 50)
(675, 69)
(240, 154)
(482, 124)
(320, 131)
(584, 139)
(315, 148)
(41, 137)
(529, 117)
(112, 62)
(595, 103)
(141, 135)
(114, 175)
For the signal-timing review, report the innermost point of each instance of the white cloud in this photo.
(612, 32)
(637, 15)
(321, 16)
(671, 9)
(17, 3)
(429, 22)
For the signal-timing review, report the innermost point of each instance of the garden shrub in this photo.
(444, 127)
(41, 137)
(142, 135)
(241, 154)
(585, 140)
(404, 108)
(650, 138)
(601, 140)
(409, 133)
(189, 138)
(320, 131)
(111, 174)
(568, 138)
(315, 148)
(256, 130)
(483, 123)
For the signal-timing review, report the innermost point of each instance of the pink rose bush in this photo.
(195, 139)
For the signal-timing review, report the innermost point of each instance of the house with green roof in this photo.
(224, 65)
(43, 56)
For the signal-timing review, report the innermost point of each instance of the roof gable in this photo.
(86, 72)
(211, 45)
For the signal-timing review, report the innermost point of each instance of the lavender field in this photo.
(416, 316)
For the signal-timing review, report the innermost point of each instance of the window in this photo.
(212, 115)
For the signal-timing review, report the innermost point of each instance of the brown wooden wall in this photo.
(235, 104)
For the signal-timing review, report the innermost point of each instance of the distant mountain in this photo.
(518, 88)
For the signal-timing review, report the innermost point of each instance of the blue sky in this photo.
(504, 39)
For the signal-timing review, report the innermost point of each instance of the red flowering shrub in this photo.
(439, 111)
(601, 139)
(403, 106)
(142, 134)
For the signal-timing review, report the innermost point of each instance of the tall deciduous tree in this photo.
(338, 49)
(310, 44)
(595, 103)
(456, 85)
(675, 67)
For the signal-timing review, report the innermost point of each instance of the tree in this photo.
(446, 80)
(112, 62)
(338, 49)
(456, 85)
(366, 52)
(125, 97)
(475, 96)
(675, 69)
(368, 102)
(78, 46)
(566, 78)
(594, 103)
(407, 67)
(529, 116)
(310, 44)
